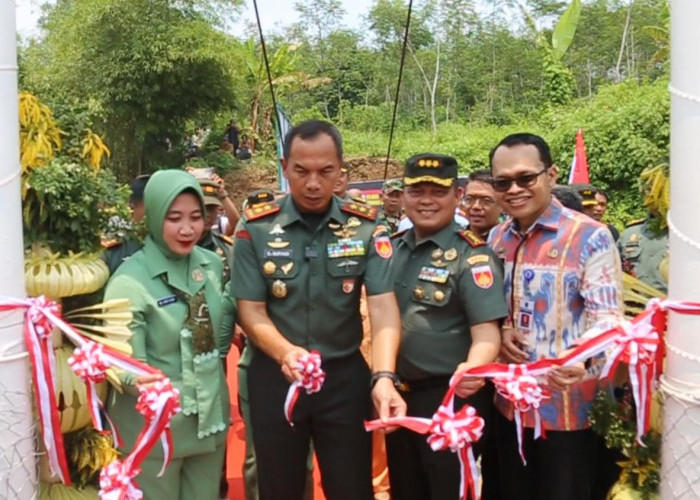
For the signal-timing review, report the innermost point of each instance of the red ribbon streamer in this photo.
(309, 365)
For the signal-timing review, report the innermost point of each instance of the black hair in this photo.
(568, 197)
(526, 139)
(137, 188)
(482, 175)
(311, 129)
(604, 193)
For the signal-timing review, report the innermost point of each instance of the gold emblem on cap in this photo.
(198, 275)
(553, 253)
(287, 267)
(439, 295)
(278, 243)
(437, 253)
(418, 293)
(450, 254)
(279, 289)
(269, 267)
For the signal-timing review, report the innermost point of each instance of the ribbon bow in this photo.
(522, 389)
(313, 376)
(117, 481)
(636, 346)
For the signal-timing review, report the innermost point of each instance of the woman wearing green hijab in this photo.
(175, 291)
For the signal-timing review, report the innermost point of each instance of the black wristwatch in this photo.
(384, 374)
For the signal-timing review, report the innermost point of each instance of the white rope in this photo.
(4, 67)
(681, 236)
(682, 353)
(683, 95)
(10, 178)
(680, 390)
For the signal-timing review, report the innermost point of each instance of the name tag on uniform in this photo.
(167, 300)
(434, 274)
(527, 308)
(346, 248)
(272, 253)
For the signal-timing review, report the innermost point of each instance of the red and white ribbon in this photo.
(521, 388)
(90, 363)
(447, 431)
(309, 365)
(117, 482)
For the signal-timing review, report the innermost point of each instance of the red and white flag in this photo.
(579, 167)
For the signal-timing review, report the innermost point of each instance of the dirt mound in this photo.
(248, 178)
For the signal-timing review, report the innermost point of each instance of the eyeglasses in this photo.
(524, 181)
(485, 201)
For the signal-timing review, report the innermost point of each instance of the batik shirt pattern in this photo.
(562, 277)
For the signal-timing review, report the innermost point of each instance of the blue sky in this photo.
(273, 13)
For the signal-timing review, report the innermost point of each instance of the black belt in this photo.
(425, 383)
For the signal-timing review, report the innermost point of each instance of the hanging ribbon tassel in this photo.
(309, 365)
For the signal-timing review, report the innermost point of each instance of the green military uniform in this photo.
(117, 251)
(309, 270)
(213, 240)
(389, 221)
(445, 283)
(177, 328)
(642, 249)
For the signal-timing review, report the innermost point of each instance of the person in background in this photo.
(174, 287)
(392, 204)
(211, 239)
(232, 133)
(482, 210)
(341, 187)
(599, 210)
(449, 287)
(568, 197)
(297, 285)
(117, 250)
(563, 277)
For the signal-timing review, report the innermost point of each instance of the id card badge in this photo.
(525, 315)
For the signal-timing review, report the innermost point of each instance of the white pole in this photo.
(17, 449)
(681, 441)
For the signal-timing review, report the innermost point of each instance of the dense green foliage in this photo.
(146, 73)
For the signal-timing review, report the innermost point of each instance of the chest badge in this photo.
(437, 253)
(553, 253)
(418, 293)
(439, 295)
(353, 222)
(450, 254)
(269, 267)
(198, 275)
(279, 289)
(278, 243)
(277, 230)
(348, 285)
(286, 268)
(433, 274)
(334, 226)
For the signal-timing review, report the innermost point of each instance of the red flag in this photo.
(579, 167)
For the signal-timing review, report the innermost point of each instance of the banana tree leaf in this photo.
(565, 29)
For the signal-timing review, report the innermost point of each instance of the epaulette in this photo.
(635, 222)
(110, 242)
(398, 234)
(261, 210)
(472, 238)
(360, 209)
(226, 238)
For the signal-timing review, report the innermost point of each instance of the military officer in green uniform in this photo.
(392, 200)
(175, 290)
(449, 286)
(212, 239)
(299, 266)
(117, 250)
(643, 246)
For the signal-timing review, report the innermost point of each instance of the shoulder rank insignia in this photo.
(226, 238)
(109, 242)
(472, 238)
(635, 222)
(360, 209)
(398, 234)
(261, 210)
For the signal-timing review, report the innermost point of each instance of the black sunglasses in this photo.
(527, 180)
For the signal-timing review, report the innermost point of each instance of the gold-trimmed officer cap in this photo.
(260, 196)
(210, 189)
(587, 193)
(429, 167)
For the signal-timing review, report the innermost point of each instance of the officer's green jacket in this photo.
(641, 251)
(310, 279)
(444, 285)
(170, 328)
(115, 254)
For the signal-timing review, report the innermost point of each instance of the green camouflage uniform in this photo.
(642, 250)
